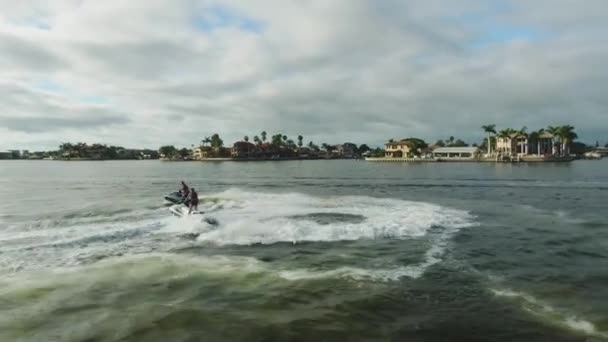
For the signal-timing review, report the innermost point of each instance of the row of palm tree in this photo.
(281, 140)
(277, 141)
(562, 136)
(565, 136)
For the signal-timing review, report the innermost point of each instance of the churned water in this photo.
(304, 250)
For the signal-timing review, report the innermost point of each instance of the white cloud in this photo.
(366, 71)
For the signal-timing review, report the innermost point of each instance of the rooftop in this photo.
(455, 150)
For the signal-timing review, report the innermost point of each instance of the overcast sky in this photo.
(141, 73)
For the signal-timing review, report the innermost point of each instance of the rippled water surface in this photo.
(304, 250)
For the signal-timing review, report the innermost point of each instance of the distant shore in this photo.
(471, 160)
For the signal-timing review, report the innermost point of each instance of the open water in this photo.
(304, 250)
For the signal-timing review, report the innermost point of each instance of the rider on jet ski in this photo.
(185, 191)
(193, 200)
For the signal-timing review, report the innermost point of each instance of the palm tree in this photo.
(205, 141)
(327, 147)
(537, 136)
(568, 135)
(216, 141)
(300, 141)
(313, 147)
(490, 129)
(277, 140)
(256, 140)
(284, 138)
(246, 138)
(506, 134)
(557, 137)
(522, 133)
(264, 136)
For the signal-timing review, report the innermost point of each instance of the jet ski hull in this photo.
(176, 198)
(180, 210)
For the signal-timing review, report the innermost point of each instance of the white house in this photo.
(455, 153)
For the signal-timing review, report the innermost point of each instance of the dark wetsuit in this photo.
(194, 199)
(185, 191)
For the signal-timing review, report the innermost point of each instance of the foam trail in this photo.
(272, 218)
(245, 218)
(543, 309)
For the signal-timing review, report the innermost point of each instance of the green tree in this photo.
(378, 152)
(300, 141)
(416, 145)
(168, 151)
(568, 136)
(363, 148)
(459, 143)
(489, 129)
(66, 147)
(257, 140)
(440, 143)
(216, 141)
(556, 132)
(277, 140)
(184, 153)
(506, 133)
(327, 147)
(263, 136)
(246, 138)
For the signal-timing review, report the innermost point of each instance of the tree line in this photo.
(97, 151)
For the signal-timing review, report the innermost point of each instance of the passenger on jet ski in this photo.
(184, 191)
(193, 201)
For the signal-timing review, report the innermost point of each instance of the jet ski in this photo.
(181, 210)
(176, 198)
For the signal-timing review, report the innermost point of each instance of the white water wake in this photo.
(245, 218)
(260, 218)
(547, 312)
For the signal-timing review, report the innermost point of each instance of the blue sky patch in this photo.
(49, 86)
(52, 87)
(218, 16)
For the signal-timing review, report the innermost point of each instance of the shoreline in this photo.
(469, 160)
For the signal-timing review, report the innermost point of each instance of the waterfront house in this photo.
(399, 149)
(455, 153)
(6, 155)
(603, 151)
(515, 144)
(202, 152)
(522, 145)
(243, 149)
(542, 144)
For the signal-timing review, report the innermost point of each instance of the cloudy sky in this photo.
(142, 73)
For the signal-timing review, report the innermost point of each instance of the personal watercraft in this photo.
(176, 198)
